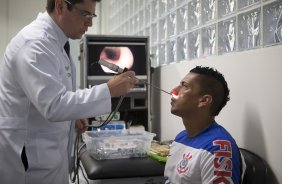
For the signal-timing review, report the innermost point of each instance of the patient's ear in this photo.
(205, 101)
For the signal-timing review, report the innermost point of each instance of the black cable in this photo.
(74, 166)
(84, 175)
(76, 143)
(76, 151)
(111, 115)
(78, 165)
(77, 160)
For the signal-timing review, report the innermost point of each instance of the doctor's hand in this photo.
(122, 84)
(81, 126)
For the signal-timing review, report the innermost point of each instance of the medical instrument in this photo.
(111, 66)
(119, 70)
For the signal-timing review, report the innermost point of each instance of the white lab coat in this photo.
(38, 101)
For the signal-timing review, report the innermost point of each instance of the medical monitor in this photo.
(130, 52)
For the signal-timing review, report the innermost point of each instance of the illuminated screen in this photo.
(133, 56)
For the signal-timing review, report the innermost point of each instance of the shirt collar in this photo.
(55, 31)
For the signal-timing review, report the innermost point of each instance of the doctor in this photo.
(38, 100)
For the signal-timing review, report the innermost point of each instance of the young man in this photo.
(203, 153)
(38, 97)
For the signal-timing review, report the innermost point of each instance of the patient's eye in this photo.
(185, 84)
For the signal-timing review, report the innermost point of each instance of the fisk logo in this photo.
(222, 162)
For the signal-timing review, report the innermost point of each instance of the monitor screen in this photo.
(123, 53)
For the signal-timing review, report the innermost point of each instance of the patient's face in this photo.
(186, 98)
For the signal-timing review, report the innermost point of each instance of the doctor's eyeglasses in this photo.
(83, 13)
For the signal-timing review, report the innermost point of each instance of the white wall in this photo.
(14, 15)
(254, 114)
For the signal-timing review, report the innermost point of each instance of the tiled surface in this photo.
(190, 29)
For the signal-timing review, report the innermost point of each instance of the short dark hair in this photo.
(51, 4)
(212, 82)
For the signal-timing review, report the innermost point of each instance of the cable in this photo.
(111, 115)
(76, 161)
(77, 149)
(147, 83)
(75, 170)
(119, 70)
(84, 175)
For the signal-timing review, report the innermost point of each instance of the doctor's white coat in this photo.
(38, 102)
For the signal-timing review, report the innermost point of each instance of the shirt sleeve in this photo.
(218, 164)
(38, 70)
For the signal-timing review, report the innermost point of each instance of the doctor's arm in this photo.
(41, 75)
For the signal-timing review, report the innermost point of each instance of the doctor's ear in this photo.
(59, 5)
(205, 100)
